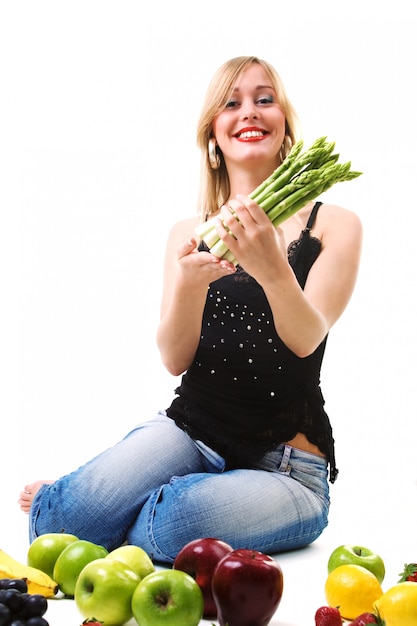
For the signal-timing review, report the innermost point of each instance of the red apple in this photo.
(199, 558)
(247, 588)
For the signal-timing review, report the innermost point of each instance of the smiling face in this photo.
(251, 127)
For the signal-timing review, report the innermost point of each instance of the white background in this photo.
(98, 110)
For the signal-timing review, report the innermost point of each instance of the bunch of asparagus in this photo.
(301, 177)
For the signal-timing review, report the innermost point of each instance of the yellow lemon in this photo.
(398, 605)
(353, 589)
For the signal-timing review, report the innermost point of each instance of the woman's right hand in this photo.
(201, 267)
(187, 276)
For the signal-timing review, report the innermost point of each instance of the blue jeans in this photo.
(159, 489)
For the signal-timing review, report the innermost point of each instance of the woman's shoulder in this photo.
(334, 216)
(336, 223)
(184, 229)
(337, 210)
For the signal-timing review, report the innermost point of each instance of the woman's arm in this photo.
(302, 318)
(187, 275)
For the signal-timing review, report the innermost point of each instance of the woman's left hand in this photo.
(250, 235)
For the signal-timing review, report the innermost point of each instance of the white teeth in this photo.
(251, 133)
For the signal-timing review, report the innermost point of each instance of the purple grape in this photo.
(12, 598)
(5, 615)
(35, 605)
(37, 621)
(14, 583)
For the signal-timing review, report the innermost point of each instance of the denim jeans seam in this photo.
(153, 501)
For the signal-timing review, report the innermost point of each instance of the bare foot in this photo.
(29, 492)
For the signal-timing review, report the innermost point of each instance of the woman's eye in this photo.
(266, 100)
(231, 104)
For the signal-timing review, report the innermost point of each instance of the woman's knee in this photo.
(172, 516)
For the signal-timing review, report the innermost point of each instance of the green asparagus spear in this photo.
(300, 178)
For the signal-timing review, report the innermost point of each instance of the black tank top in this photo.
(245, 392)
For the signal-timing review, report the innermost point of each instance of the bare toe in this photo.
(29, 492)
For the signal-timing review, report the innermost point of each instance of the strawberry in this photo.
(365, 618)
(409, 573)
(328, 616)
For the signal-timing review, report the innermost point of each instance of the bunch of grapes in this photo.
(18, 607)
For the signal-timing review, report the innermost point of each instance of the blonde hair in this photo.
(214, 184)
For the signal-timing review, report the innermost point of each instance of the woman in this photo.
(245, 452)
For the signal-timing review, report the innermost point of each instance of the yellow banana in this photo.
(36, 580)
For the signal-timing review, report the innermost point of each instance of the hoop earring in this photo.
(282, 152)
(213, 155)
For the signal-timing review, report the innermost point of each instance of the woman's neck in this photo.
(243, 180)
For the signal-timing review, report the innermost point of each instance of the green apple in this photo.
(104, 590)
(135, 557)
(72, 560)
(45, 549)
(358, 555)
(168, 597)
